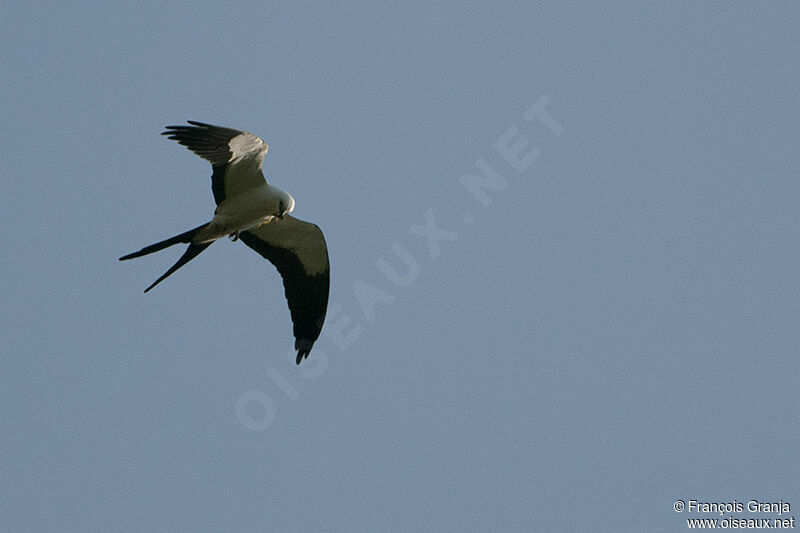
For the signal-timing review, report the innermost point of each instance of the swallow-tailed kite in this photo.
(250, 209)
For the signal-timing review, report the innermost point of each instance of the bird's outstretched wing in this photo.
(236, 156)
(298, 251)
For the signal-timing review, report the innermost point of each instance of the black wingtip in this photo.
(185, 127)
(303, 347)
(302, 354)
(175, 129)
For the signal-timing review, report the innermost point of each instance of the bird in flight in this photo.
(250, 209)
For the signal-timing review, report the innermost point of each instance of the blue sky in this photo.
(564, 258)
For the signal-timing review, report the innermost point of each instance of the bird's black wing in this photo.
(298, 251)
(236, 156)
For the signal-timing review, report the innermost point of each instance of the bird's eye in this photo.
(280, 208)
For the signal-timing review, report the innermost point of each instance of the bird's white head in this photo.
(285, 204)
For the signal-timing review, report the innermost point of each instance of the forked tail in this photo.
(191, 252)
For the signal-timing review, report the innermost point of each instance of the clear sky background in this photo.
(605, 326)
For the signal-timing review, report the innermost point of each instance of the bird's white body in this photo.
(246, 210)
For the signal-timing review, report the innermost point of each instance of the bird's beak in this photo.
(280, 217)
